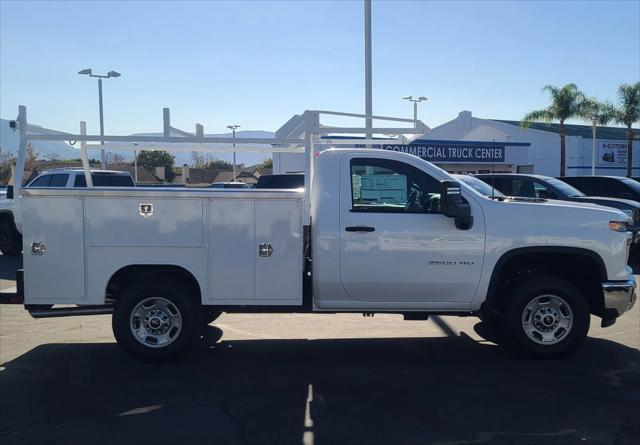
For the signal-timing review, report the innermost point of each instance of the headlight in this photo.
(619, 226)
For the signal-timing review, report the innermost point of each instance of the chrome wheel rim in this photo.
(156, 322)
(547, 319)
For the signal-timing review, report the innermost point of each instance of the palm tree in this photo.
(566, 103)
(598, 113)
(628, 113)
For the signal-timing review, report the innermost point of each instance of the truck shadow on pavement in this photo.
(375, 391)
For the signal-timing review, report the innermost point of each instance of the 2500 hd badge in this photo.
(451, 263)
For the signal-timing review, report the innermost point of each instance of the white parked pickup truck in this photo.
(10, 232)
(389, 233)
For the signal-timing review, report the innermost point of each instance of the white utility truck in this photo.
(373, 231)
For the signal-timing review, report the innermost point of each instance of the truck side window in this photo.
(615, 188)
(80, 181)
(524, 188)
(542, 191)
(59, 180)
(585, 185)
(501, 184)
(384, 185)
(42, 181)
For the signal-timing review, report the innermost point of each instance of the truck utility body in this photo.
(372, 231)
(91, 235)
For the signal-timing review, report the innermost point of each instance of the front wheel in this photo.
(156, 321)
(546, 316)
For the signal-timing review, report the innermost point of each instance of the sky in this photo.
(258, 63)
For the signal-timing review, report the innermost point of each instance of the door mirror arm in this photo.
(454, 205)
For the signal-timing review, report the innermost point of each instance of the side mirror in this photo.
(455, 206)
(9, 192)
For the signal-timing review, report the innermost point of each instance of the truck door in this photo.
(395, 244)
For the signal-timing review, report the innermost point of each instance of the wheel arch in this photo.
(133, 273)
(566, 262)
(7, 215)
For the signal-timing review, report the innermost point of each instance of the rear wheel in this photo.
(546, 316)
(10, 238)
(156, 321)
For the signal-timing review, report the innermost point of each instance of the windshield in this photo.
(565, 188)
(479, 186)
(632, 184)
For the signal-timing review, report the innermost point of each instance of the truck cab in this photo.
(382, 239)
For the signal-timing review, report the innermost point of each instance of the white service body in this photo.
(90, 234)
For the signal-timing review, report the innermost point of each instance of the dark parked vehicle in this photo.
(612, 186)
(289, 181)
(546, 187)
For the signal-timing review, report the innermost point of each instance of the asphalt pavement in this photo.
(313, 379)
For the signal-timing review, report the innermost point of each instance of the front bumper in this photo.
(619, 296)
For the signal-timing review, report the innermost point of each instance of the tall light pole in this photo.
(233, 129)
(87, 71)
(415, 107)
(368, 103)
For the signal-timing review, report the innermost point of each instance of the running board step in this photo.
(416, 316)
(71, 311)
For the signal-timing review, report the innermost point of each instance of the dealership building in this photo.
(468, 144)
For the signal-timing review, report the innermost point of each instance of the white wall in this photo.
(544, 153)
(468, 128)
(581, 165)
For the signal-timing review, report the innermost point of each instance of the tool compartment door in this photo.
(53, 243)
(278, 251)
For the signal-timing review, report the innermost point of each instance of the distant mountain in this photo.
(9, 140)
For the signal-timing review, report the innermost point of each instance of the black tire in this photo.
(177, 301)
(10, 239)
(569, 304)
(209, 316)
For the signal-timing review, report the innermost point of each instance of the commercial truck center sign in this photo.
(442, 152)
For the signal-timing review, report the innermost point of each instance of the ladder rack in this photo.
(309, 135)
